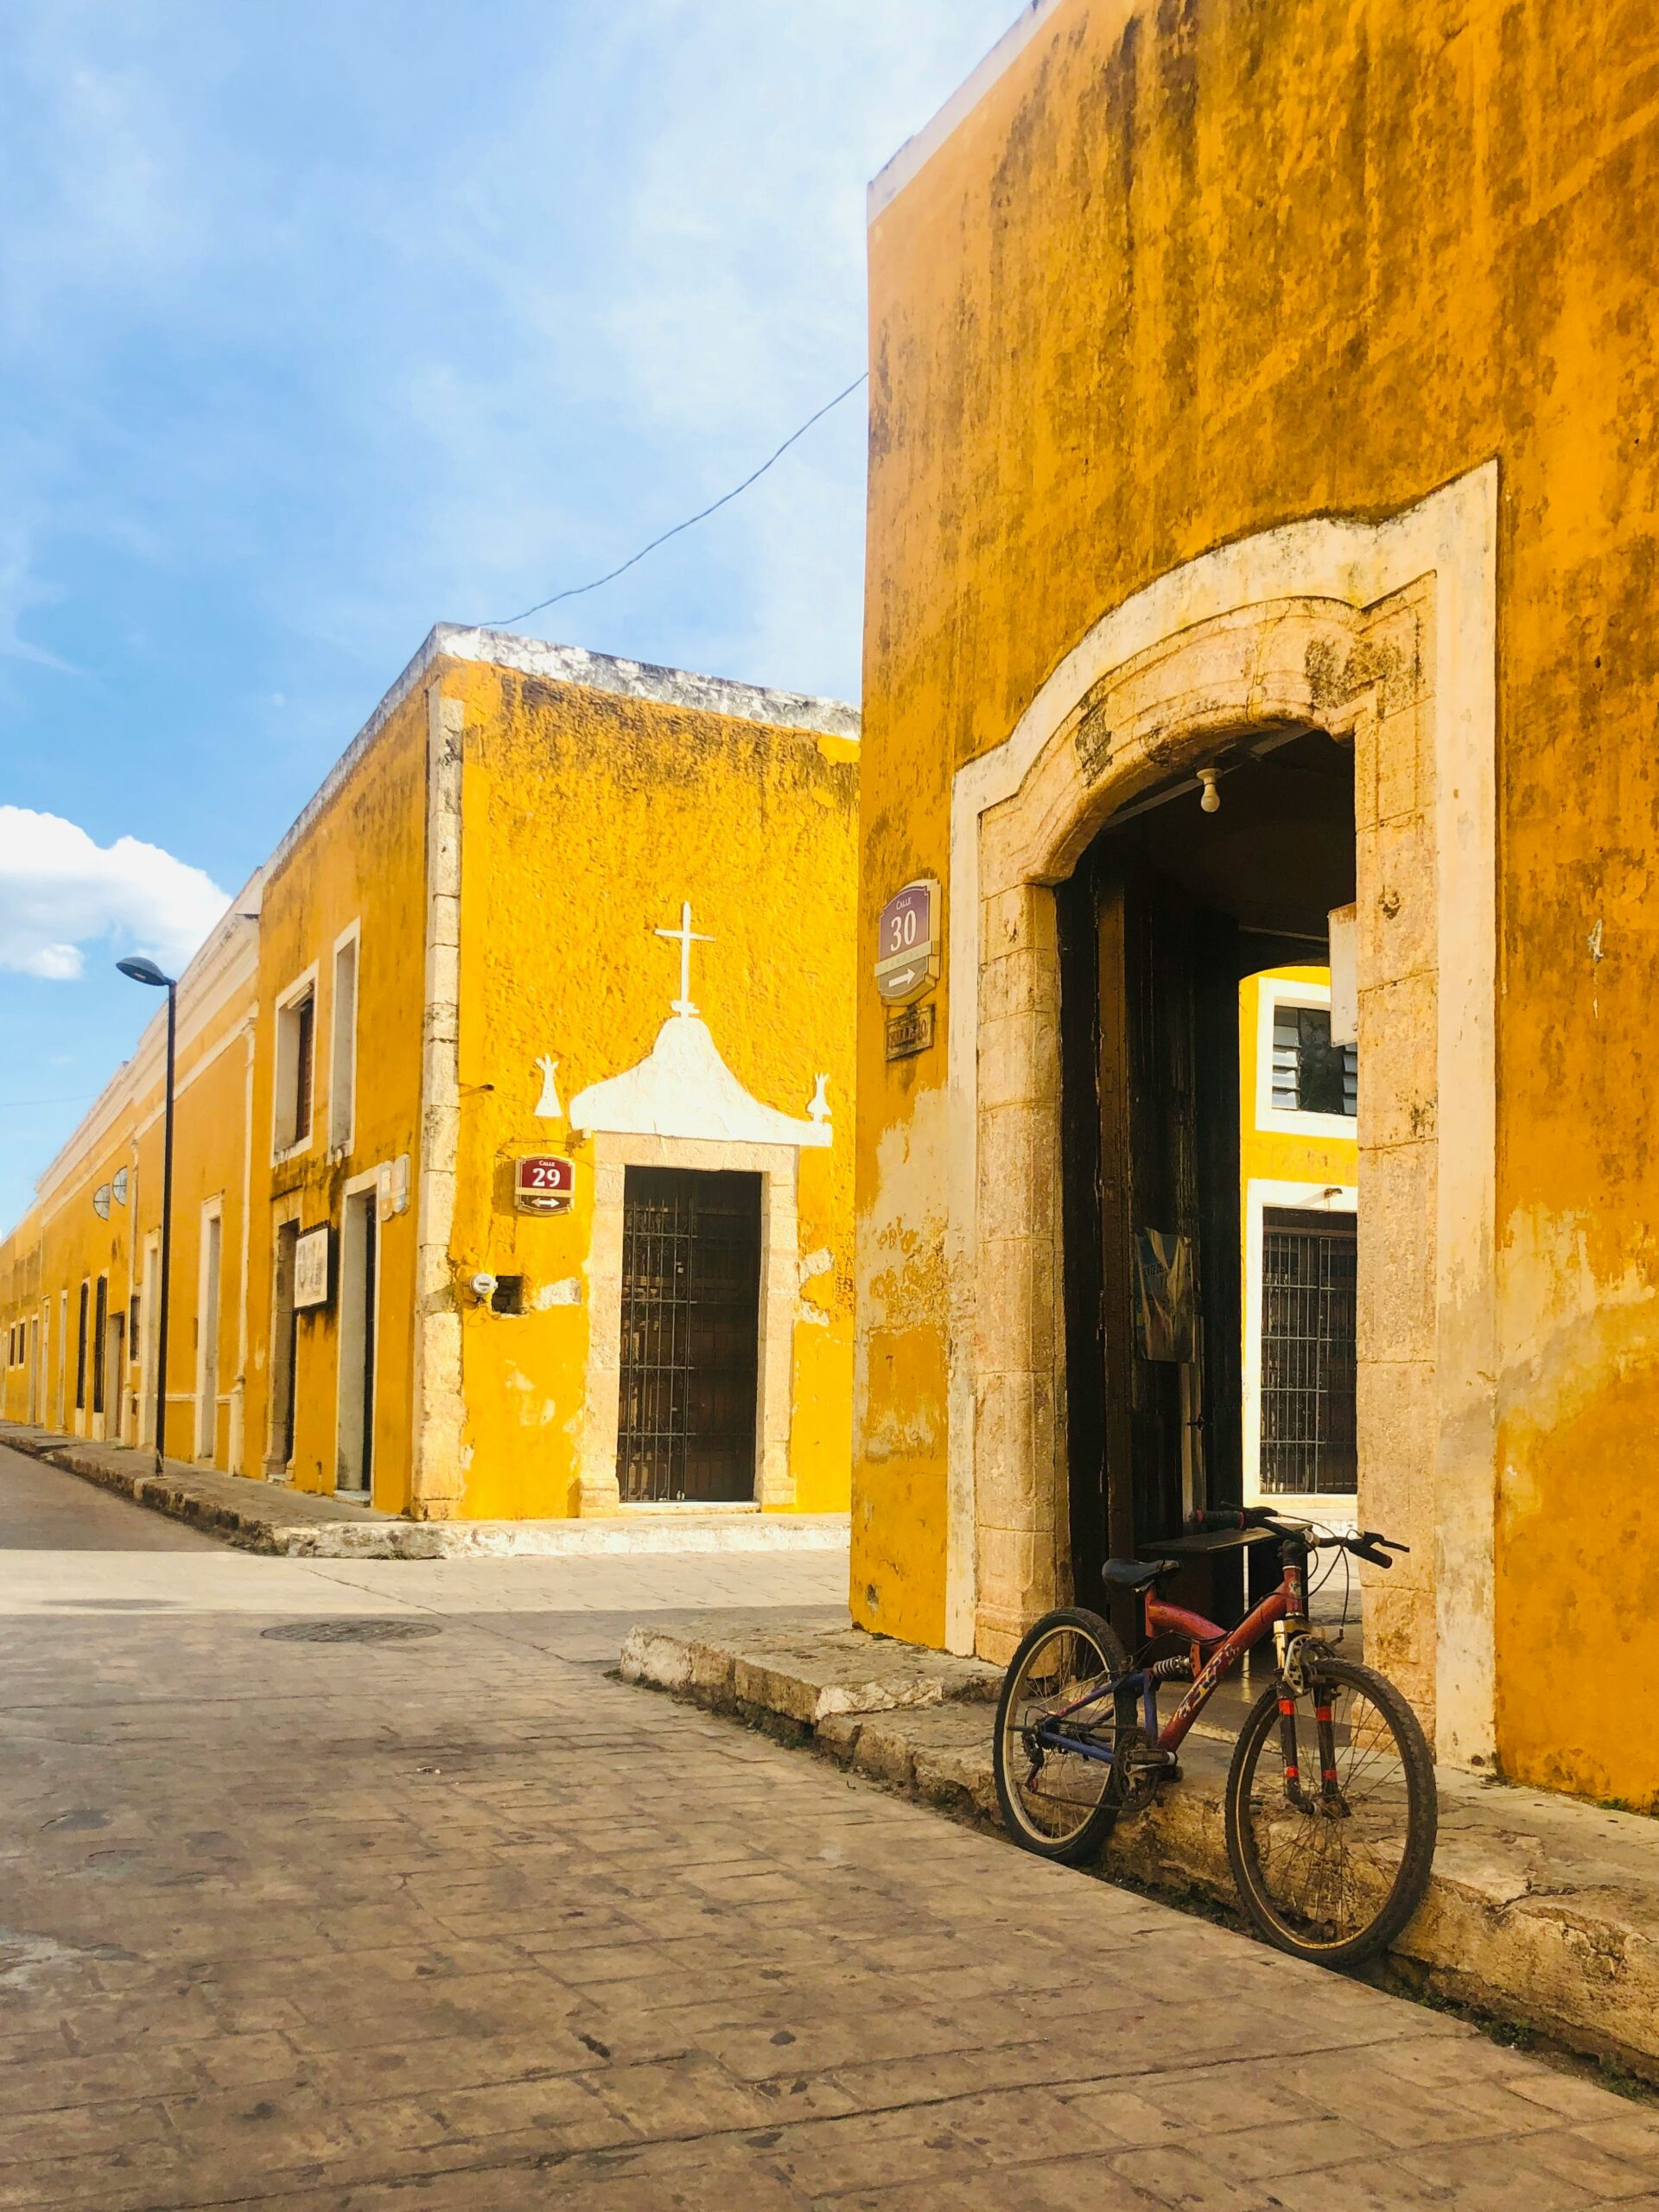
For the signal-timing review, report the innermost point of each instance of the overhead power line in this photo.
(78, 1098)
(575, 591)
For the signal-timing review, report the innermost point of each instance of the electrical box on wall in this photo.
(543, 1183)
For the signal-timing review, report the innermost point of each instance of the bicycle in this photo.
(1329, 1871)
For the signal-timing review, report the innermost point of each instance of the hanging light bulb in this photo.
(1210, 802)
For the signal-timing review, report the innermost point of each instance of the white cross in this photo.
(685, 937)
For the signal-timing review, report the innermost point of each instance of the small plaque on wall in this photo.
(311, 1267)
(907, 941)
(910, 1032)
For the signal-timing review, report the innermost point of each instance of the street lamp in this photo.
(146, 971)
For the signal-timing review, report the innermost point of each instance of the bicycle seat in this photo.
(1136, 1574)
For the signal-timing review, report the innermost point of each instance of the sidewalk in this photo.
(264, 1516)
(1543, 1910)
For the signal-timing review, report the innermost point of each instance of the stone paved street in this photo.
(456, 1921)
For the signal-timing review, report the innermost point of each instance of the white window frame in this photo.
(284, 1068)
(206, 1436)
(1337, 1507)
(357, 1189)
(341, 1145)
(1273, 992)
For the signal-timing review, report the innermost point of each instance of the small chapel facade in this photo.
(513, 1174)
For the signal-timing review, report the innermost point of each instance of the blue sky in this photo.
(321, 323)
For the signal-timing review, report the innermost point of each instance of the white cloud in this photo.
(60, 890)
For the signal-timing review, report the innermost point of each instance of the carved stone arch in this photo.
(1342, 627)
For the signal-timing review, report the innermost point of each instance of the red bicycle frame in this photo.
(1286, 1603)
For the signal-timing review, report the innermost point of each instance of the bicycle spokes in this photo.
(1057, 1735)
(1327, 1812)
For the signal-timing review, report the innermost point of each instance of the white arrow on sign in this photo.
(903, 980)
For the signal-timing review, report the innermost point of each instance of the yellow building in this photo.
(1260, 394)
(509, 1181)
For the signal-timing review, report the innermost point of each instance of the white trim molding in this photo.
(778, 1166)
(284, 1064)
(437, 1475)
(209, 1328)
(683, 1088)
(1276, 991)
(341, 1145)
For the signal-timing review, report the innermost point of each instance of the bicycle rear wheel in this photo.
(1332, 1813)
(1058, 1798)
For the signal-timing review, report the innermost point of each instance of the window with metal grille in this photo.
(690, 1335)
(1307, 1353)
(1310, 1074)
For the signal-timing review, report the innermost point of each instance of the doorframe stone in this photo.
(777, 1166)
(1383, 632)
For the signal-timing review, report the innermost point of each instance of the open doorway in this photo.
(1172, 914)
(355, 1420)
(284, 1353)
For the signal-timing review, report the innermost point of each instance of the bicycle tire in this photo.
(1351, 1946)
(1077, 1845)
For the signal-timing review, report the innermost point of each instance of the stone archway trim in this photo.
(1215, 628)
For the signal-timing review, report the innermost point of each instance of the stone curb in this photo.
(1542, 1911)
(293, 1525)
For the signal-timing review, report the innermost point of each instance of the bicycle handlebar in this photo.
(1364, 1543)
(1233, 1516)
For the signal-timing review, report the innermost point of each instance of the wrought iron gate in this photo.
(690, 1335)
(1308, 1367)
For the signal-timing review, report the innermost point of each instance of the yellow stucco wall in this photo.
(61, 1241)
(357, 859)
(1280, 1155)
(1189, 272)
(588, 817)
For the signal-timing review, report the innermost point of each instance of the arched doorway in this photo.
(1381, 635)
(1171, 909)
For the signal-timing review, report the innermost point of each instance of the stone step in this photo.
(265, 1517)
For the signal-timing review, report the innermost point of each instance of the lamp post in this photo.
(146, 971)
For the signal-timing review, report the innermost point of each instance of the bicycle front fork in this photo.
(1289, 1636)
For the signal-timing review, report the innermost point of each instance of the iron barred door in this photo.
(690, 1335)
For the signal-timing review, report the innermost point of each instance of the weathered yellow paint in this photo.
(586, 815)
(1192, 269)
(587, 819)
(356, 859)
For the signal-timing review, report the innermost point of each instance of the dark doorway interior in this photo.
(690, 1336)
(1166, 913)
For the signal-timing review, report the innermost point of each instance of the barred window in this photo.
(1310, 1074)
(1308, 1362)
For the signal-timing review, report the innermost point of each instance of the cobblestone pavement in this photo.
(455, 1920)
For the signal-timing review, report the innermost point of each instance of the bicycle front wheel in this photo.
(1052, 1752)
(1332, 1813)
